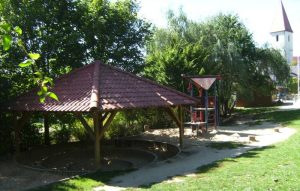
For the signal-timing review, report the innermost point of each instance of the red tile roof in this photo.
(105, 88)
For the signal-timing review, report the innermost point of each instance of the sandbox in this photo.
(77, 158)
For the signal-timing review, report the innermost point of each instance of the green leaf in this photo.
(40, 93)
(26, 63)
(52, 95)
(42, 99)
(34, 56)
(44, 89)
(6, 27)
(7, 40)
(18, 30)
(48, 80)
(39, 74)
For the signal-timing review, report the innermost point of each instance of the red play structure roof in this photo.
(105, 88)
(204, 83)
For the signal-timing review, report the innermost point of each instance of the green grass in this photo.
(275, 167)
(82, 183)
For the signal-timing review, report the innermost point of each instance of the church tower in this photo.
(282, 34)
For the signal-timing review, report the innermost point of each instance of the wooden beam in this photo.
(173, 115)
(18, 124)
(105, 115)
(107, 123)
(98, 123)
(46, 129)
(86, 126)
(181, 129)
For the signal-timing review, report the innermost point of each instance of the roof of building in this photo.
(281, 21)
(104, 88)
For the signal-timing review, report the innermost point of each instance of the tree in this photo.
(67, 34)
(114, 34)
(220, 45)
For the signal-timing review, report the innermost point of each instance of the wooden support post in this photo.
(181, 130)
(179, 122)
(173, 115)
(97, 126)
(107, 123)
(86, 126)
(18, 124)
(46, 129)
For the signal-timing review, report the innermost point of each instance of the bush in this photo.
(131, 123)
(62, 133)
(6, 141)
(30, 135)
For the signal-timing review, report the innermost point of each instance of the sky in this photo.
(257, 15)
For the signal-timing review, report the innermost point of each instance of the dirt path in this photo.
(13, 177)
(195, 153)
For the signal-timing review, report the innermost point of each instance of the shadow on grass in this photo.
(217, 164)
(84, 182)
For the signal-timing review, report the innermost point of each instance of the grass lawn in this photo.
(275, 167)
(82, 183)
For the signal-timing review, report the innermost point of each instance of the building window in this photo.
(289, 38)
(277, 38)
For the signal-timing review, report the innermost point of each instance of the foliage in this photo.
(50, 38)
(6, 145)
(220, 45)
(30, 135)
(114, 34)
(293, 85)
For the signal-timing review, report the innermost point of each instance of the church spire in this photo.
(281, 21)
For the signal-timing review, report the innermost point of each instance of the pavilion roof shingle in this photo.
(102, 87)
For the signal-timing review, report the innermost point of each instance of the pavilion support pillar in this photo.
(86, 126)
(181, 129)
(18, 124)
(178, 118)
(46, 129)
(97, 126)
(99, 129)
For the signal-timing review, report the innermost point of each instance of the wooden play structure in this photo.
(206, 113)
(98, 91)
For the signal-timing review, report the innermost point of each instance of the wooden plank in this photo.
(18, 124)
(46, 129)
(107, 123)
(86, 126)
(173, 116)
(181, 129)
(97, 126)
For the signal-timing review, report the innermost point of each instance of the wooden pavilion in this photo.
(102, 91)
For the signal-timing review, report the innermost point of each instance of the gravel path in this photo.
(14, 177)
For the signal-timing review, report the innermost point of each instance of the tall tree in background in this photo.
(220, 45)
(114, 34)
(67, 34)
(70, 33)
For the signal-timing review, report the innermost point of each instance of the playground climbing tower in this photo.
(206, 113)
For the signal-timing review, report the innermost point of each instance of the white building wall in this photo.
(283, 40)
